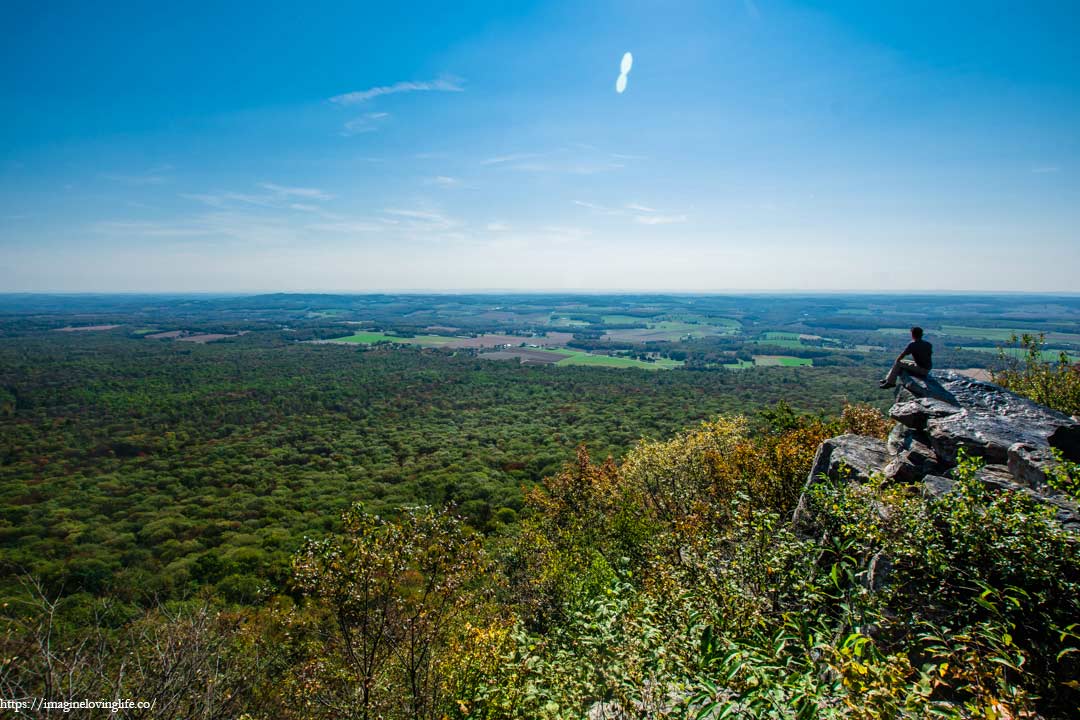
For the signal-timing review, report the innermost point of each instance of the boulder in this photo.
(1030, 464)
(988, 419)
(912, 455)
(939, 415)
(849, 458)
(916, 413)
(934, 486)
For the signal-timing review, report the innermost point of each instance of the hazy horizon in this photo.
(755, 147)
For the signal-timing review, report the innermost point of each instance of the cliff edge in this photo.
(939, 416)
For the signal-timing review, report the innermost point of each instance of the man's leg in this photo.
(912, 369)
(902, 366)
(894, 371)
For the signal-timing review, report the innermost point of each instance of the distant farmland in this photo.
(782, 360)
(86, 328)
(1048, 355)
(580, 357)
(668, 330)
(526, 355)
(446, 341)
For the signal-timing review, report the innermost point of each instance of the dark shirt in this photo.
(920, 350)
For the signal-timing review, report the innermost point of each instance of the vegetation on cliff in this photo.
(670, 584)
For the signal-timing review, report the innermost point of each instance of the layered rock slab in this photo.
(944, 413)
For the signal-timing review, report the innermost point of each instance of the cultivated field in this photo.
(446, 341)
(665, 331)
(86, 328)
(525, 355)
(782, 360)
(580, 357)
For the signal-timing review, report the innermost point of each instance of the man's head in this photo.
(916, 333)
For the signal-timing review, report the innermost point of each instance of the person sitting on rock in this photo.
(920, 352)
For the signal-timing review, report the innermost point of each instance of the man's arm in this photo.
(907, 351)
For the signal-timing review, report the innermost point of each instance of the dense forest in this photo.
(152, 469)
(263, 528)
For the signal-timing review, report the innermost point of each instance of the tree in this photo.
(1055, 384)
(397, 590)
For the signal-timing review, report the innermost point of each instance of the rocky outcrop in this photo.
(939, 416)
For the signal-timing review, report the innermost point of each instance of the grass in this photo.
(781, 360)
(998, 334)
(668, 331)
(1050, 355)
(730, 325)
(719, 325)
(144, 331)
(624, 320)
(566, 322)
(369, 338)
(580, 357)
(780, 339)
(981, 333)
(1001, 335)
(739, 365)
(790, 340)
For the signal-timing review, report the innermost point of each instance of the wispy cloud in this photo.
(366, 123)
(640, 208)
(145, 229)
(497, 226)
(1045, 169)
(591, 206)
(348, 226)
(446, 83)
(659, 219)
(442, 181)
(154, 176)
(301, 192)
(228, 199)
(514, 157)
(568, 168)
(281, 197)
(422, 219)
(563, 234)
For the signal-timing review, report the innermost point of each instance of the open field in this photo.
(579, 357)
(781, 360)
(446, 341)
(525, 355)
(625, 320)
(665, 331)
(86, 328)
(1048, 355)
(566, 322)
(371, 337)
(740, 365)
(207, 337)
(978, 333)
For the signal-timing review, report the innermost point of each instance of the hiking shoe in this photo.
(884, 385)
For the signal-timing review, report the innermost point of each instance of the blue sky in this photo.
(459, 146)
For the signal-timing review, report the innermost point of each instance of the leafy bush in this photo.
(1054, 384)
